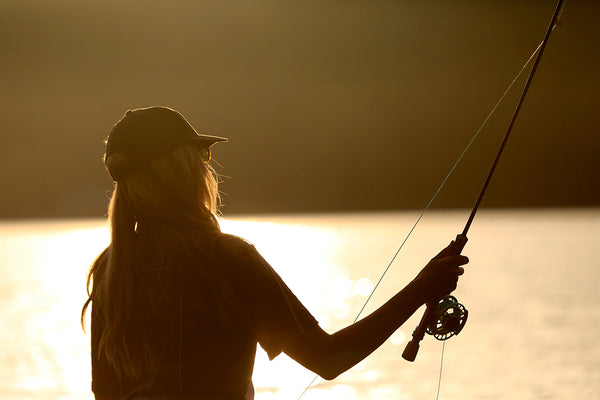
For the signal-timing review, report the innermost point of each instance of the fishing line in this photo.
(437, 396)
(439, 189)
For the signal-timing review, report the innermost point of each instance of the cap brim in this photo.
(207, 139)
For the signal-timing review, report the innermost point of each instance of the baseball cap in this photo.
(145, 134)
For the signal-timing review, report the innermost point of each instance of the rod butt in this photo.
(411, 350)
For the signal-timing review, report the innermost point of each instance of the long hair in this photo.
(177, 190)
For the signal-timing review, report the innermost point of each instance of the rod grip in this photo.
(459, 243)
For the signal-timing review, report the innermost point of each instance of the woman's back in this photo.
(203, 312)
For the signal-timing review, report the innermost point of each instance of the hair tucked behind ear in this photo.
(177, 190)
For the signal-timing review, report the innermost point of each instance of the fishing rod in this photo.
(446, 317)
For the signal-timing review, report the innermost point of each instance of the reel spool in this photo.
(448, 319)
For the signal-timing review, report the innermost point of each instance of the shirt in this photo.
(205, 317)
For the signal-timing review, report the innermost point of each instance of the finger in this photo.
(457, 260)
(461, 271)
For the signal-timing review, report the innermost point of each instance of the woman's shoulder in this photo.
(233, 245)
(241, 253)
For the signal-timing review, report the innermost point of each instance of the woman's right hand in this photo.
(440, 276)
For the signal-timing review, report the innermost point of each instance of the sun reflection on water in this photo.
(47, 263)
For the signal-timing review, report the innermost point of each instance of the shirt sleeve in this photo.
(278, 316)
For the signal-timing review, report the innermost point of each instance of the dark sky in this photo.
(329, 105)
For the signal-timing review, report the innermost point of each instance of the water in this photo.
(531, 290)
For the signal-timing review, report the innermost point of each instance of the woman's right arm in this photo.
(330, 355)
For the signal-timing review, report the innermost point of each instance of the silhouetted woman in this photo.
(178, 307)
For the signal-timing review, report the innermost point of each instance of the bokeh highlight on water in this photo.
(531, 290)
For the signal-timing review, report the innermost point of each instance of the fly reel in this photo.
(448, 319)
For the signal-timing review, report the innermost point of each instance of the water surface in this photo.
(531, 290)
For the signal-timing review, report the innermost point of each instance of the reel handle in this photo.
(412, 347)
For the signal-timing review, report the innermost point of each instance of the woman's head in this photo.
(159, 163)
(144, 135)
